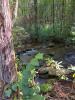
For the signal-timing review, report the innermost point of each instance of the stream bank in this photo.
(62, 90)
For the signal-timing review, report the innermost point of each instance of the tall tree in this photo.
(53, 14)
(7, 55)
(73, 10)
(36, 17)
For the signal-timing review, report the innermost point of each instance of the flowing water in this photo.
(58, 52)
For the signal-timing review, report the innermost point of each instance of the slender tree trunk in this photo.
(7, 55)
(62, 15)
(36, 18)
(53, 15)
(16, 9)
(73, 10)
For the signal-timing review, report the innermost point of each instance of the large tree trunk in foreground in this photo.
(7, 58)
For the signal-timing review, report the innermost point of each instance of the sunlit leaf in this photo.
(39, 56)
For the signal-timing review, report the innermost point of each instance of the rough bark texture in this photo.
(7, 55)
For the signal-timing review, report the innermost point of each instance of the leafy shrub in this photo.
(26, 81)
(46, 32)
(43, 33)
(46, 87)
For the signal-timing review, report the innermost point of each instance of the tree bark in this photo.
(7, 55)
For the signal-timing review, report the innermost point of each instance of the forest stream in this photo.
(66, 54)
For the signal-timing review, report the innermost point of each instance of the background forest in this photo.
(45, 20)
(37, 50)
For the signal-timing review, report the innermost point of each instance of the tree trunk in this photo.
(16, 9)
(7, 55)
(36, 18)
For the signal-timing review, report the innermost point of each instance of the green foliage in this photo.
(11, 2)
(58, 30)
(26, 81)
(39, 56)
(47, 32)
(8, 93)
(10, 89)
(17, 62)
(37, 97)
(46, 87)
(29, 87)
(14, 87)
(54, 64)
(54, 19)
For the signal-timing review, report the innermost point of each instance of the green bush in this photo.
(45, 87)
(42, 33)
(46, 32)
(26, 81)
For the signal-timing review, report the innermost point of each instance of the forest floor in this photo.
(62, 91)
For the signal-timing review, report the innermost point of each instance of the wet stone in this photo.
(70, 58)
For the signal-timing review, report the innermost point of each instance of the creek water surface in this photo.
(59, 52)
